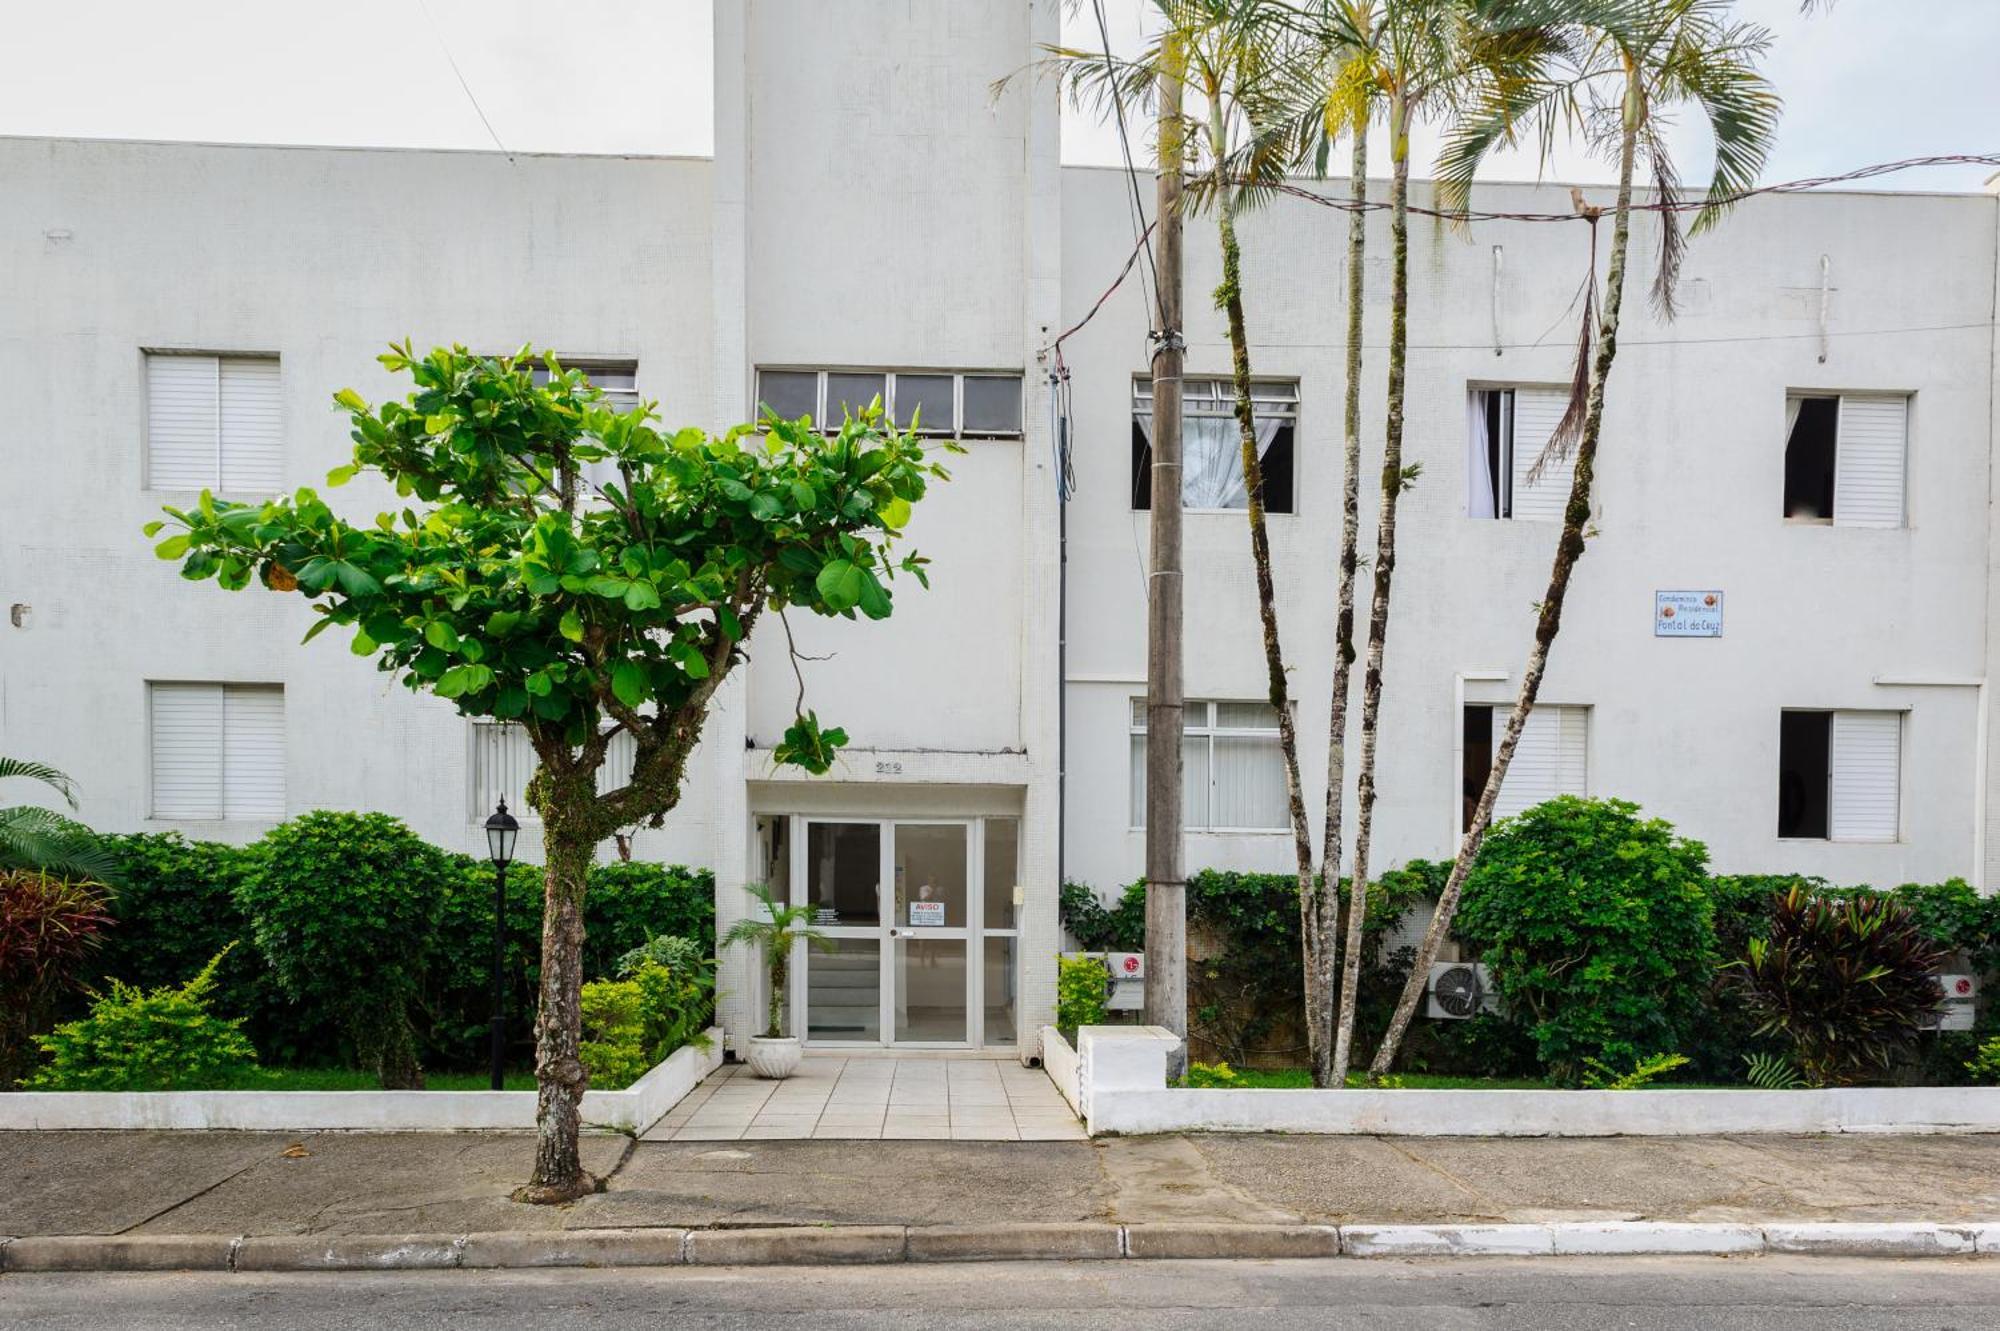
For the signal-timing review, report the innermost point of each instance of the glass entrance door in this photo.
(920, 946)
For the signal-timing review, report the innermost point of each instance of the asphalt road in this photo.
(1750, 1294)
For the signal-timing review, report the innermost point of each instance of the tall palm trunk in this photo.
(1230, 297)
(1569, 549)
(1322, 912)
(1385, 568)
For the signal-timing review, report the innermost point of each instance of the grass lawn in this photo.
(345, 1079)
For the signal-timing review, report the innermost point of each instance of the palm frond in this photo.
(42, 772)
(1673, 240)
(32, 837)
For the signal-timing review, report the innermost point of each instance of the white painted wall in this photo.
(1689, 496)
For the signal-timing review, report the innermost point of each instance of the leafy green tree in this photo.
(522, 590)
(34, 837)
(1626, 67)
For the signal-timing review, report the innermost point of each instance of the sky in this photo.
(1870, 81)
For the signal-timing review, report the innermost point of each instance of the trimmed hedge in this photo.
(177, 907)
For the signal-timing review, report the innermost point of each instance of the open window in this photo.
(1845, 459)
(1840, 775)
(1551, 759)
(1507, 431)
(1212, 444)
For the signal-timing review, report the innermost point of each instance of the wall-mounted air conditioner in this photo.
(1955, 1012)
(1460, 989)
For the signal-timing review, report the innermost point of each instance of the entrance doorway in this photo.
(921, 924)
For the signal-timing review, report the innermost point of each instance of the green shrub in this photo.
(175, 906)
(668, 950)
(1083, 984)
(1846, 981)
(1984, 1066)
(344, 909)
(162, 1039)
(614, 1034)
(454, 1008)
(1211, 1076)
(630, 902)
(675, 1005)
(1598, 927)
(48, 927)
(1120, 927)
(1603, 1077)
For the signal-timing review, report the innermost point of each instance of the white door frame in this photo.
(887, 930)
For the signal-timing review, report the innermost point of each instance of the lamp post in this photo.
(501, 829)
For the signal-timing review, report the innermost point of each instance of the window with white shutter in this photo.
(1551, 759)
(214, 423)
(503, 762)
(1840, 775)
(1846, 459)
(218, 751)
(1508, 430)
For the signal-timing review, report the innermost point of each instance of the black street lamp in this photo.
(501, 829)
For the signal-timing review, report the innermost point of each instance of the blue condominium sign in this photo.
(1687, 614)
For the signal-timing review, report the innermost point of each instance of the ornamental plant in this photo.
(775, 931)
(581, 573)
(163, 1039)
(1083, 986)
(1848, 982)
(1597, 924)
(48, 926)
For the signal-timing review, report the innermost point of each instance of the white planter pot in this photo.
(774, 1058)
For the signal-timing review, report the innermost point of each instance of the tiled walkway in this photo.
(941, 1099)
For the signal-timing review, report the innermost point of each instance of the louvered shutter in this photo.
(252, 438)
(1869, 461)
(187, 750)
(183, 408)
(1551, 759)
(503, 762)
(253, 752)
(1537, 412)
(1867, 776)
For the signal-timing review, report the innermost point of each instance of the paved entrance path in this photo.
(406, 1182)
(867, 1097)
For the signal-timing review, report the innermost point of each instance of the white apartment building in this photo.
(1811, 445)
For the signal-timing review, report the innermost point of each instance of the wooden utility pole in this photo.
(1166, 868)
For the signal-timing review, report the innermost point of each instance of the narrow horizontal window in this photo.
(932, 402)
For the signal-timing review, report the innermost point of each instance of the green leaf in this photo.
(839, 584)
(441, 635)
(350, 399)
(571, 626)
(503, 622)
(340, 476)
(355, 580)
(363, 645)
(173, 547)
(642, 596)
(874, 596)
(733, 488)
(628, 682)
(895, 514)
(764, 506)
(317, 629)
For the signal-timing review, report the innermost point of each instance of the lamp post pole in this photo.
(501, 829)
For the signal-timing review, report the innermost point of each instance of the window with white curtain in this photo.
(218, 751)
(1507, 432)
(1233, 770)
(1212, 444)
(214, 423)
(503, 761)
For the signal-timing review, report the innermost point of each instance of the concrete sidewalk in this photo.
(140, 1183)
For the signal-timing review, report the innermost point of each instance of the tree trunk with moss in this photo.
(1384, 571)
(1320, 913)
(1569, 549)
(1230, 297)
(565, 800)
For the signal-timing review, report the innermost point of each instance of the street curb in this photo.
(830, 1244)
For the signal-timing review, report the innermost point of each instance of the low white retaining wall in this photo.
(1123, 1089)
(633, 1109)
(1061, 1063)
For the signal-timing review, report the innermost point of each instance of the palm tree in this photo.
(775, 931)
(1627, 63)
(34, 837)
(1239, 59)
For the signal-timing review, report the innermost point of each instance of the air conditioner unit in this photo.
(1955, 1011)
(1460, 989)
